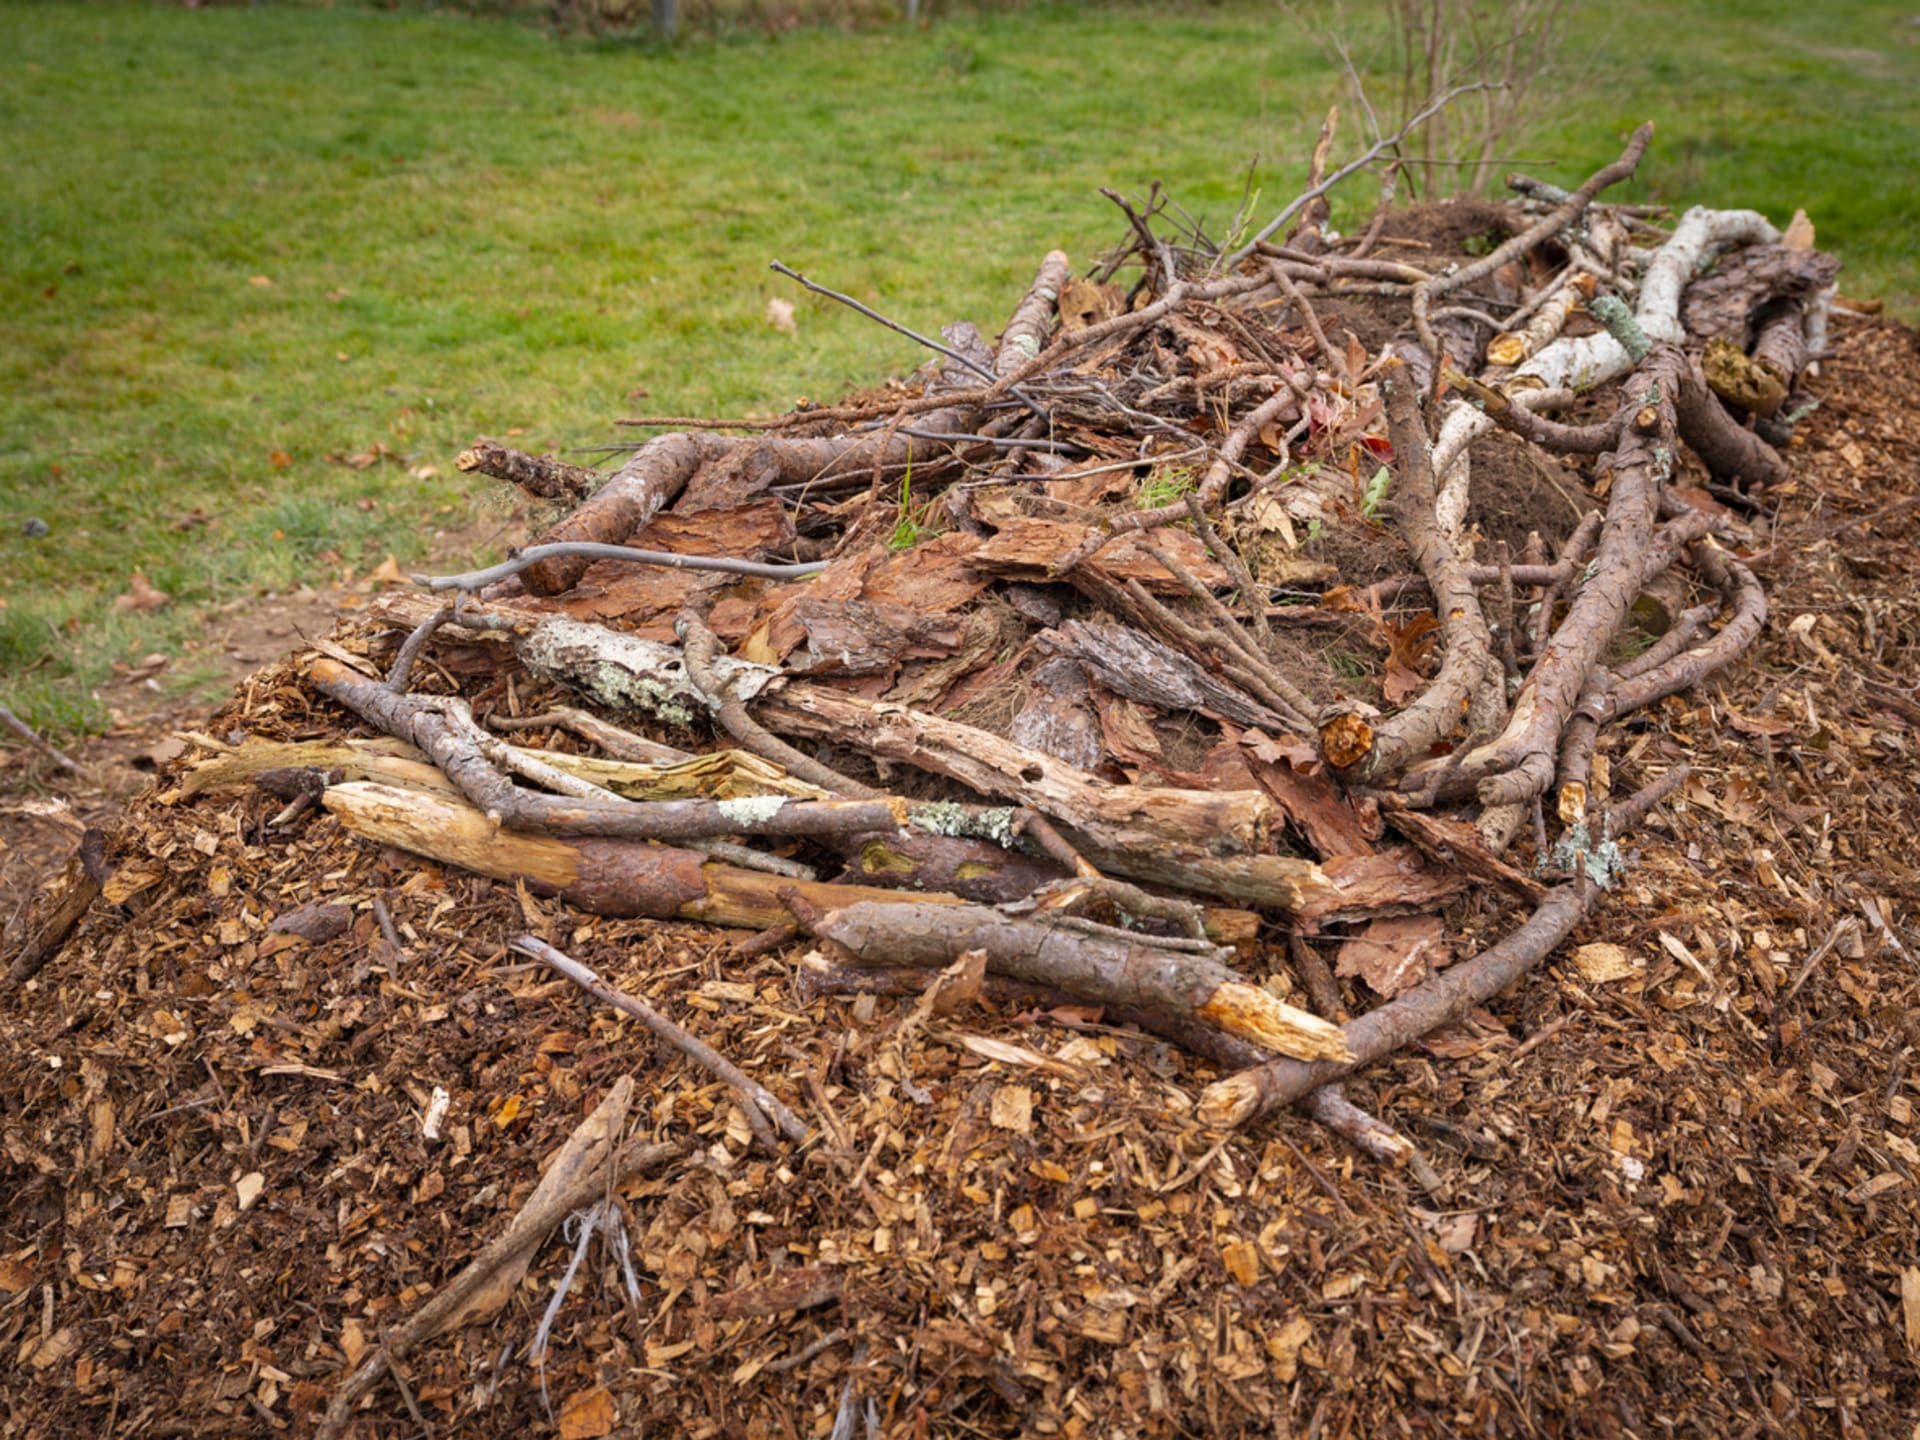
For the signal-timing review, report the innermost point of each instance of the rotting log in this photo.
(636, 879)
(604, 877)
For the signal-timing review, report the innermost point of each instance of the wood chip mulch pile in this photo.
(1674, 1179)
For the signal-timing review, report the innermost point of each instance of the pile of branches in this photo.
(1033, 667)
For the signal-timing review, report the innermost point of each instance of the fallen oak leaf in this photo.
(141, 596)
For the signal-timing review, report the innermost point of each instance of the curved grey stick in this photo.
(585, 549)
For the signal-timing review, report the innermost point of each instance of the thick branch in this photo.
(1116, 970)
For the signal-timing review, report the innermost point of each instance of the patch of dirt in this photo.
(1518, 492)
(1445, 228)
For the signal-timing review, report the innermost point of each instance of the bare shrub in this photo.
(1414, 51)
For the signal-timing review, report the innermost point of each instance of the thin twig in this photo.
(759, 1103)
(1372, 153)
(27, 733)
(588, 550)
(984, 371)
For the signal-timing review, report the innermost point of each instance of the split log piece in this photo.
(1117, 971)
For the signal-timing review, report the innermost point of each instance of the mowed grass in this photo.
(236, 242)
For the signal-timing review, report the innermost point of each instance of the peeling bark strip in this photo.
(1252, 1093)
(1131, 664)
(1118, 970)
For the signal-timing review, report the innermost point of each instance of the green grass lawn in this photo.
(234, 242)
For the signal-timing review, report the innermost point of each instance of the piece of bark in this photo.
(1058, 718)
(802, 1287)
(1723, 305)
(542, 476)
(1141, 668)
(316, 924)
(86, 876)
(857, 637)
(1093, 967)
(643, 599)
(1394, 953)
(1456, 844)
(1324, 815)
(1025, 547)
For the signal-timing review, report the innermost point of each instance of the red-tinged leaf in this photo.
(1408, 647)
